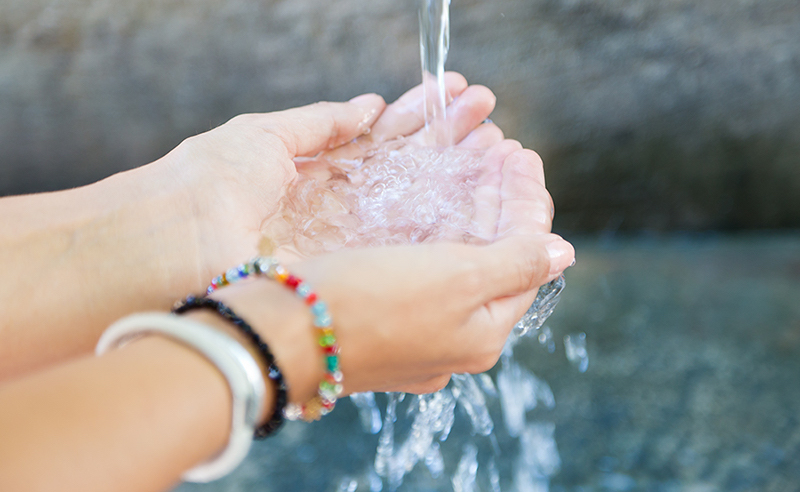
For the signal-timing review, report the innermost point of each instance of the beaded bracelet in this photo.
(330, 388)
(273, 372)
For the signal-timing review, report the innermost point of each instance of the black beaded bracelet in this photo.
(274, 373)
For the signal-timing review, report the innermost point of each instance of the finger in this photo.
(521, 263)
(465, 113)
(526, 207)
(487, 197)
(507, 311)
(406, 115)
(401, 118)
(310, 129)
(483, 137)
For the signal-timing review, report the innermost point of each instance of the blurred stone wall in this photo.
(650, 115)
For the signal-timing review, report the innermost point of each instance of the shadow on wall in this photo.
(649, 115)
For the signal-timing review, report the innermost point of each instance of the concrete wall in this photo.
(655, 115)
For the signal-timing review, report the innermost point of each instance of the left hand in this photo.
(407, 317)
(141, 239)
(234, 176)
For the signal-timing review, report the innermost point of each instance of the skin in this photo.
(141, 239)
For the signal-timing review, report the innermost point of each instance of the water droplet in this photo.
(465, 476)
(575, 348)
(347, 484)
(367, 411)
(471, 399)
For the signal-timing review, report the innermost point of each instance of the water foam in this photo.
(403, 193)
(400, 193)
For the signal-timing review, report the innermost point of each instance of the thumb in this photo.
(522, 263)
(308, 130)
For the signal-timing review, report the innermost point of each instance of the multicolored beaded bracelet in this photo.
(273, 372)
(330, 388)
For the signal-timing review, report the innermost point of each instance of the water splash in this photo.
(515, 391)
(469, 394)
(546, 339)
(431, 415)
(368, 411)
(575, 348)
(465, 476)
(542, 307)
(402, 193)
(520, 392)
(538, 459)
(347, 484)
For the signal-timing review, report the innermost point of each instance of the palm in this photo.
(317, 215)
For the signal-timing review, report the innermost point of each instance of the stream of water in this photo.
(514, 389)
(404, 193)
(434, 44)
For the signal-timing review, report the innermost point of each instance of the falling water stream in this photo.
(406, 192)
(434, 44)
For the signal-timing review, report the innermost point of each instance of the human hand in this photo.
(426, 194)
(140, 239)
(423, 314)
(232, 178)
(409, 316)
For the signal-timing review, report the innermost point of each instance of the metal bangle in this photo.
(231, 359)
(273, 371)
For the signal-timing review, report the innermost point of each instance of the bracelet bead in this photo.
(330, 388)
(273, 372)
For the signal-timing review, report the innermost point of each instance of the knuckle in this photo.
(243, 119)
(531, 266)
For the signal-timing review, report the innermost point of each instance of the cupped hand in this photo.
(233, 177)
(408, 316)
(413, 315)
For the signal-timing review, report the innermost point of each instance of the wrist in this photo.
(240, 370)
(91, 255)
(213, 320)
(285, 324)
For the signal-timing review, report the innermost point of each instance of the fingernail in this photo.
(562, 255)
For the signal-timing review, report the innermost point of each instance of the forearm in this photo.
(134, 419)
(76, 260)
(138, 417)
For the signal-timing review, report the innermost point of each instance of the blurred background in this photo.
(670, 131)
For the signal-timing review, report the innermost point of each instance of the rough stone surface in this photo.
(650, 115)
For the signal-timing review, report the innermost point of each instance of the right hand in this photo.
(407, 317)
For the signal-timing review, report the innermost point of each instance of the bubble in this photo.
(401, 193)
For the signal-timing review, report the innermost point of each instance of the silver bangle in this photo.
(233, 361)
